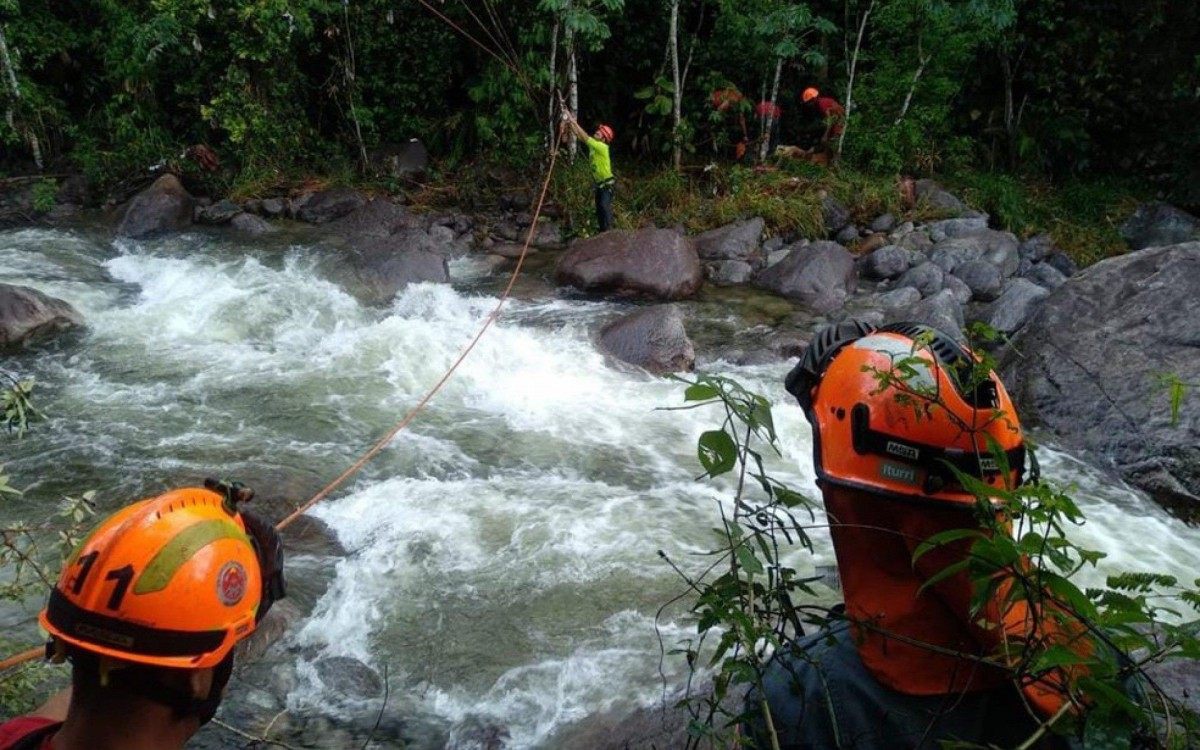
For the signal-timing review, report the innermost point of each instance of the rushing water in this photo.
(501, 556)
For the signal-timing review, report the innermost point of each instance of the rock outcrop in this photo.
(656, 263)
(1091, 363)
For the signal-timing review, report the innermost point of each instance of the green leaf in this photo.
(717, 452)
(700, 392)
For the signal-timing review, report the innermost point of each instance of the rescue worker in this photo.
(910, 664)
(602, 173)
(729, 100)
(831, 114)
(148, 610)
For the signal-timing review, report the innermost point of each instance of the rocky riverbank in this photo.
(1088, 353)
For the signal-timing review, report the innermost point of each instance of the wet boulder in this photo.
(653, 338)
(655, 263)
(379, 269)
(251, 225)
(1090, 366)
(820, 275)
(160, 209)
(1158, 224)
(324, 206)
(26, 314)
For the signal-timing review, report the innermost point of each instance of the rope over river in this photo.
(498, 562)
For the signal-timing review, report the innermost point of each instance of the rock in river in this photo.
(27, 313)
(653, 338)
(657, 263)
(1091, 363)
(159, 209)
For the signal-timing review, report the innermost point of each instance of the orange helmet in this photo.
(173, 581)
(606, 133)
(887, 434)
(809, 94)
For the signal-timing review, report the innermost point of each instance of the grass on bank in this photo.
(1083, 217)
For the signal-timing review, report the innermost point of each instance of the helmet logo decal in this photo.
(898, 473)
(903, 451)
(231, 583)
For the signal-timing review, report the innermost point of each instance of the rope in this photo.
(357, 466)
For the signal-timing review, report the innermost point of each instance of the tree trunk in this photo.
(572, 88)
(10, 74)
(922, 62)
(862, 30)
(554, 124)
(764, 148)
(677, 108)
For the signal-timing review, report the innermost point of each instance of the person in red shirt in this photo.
(832, 115)
(148, 611)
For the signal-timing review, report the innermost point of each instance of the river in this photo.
(501, 556)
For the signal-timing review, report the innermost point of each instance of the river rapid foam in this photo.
(501, 556)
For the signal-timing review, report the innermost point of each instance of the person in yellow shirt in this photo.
(602, 174)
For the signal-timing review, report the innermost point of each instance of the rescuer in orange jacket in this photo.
(910, 665)
(148, 611)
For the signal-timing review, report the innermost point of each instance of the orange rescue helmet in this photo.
(809, 94)
(606, 133)
(898, 435)
(173, 581)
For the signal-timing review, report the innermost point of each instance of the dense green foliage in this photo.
(274, 86)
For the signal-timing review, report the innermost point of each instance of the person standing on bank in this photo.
(602, 174)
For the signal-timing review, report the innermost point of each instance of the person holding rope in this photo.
(148, 611)
(602, 173)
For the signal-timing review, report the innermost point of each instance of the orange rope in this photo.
(34, 653)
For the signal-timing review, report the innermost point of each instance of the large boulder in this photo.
(326, 205)
(380, 268)
(657, 263)
(820, 275)
(1090, 367)
(653, 338)
(162, 208)
(27, 313)
(1158, 224)
(738, 241)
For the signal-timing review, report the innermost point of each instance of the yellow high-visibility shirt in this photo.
(601, 162)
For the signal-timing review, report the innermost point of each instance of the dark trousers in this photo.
(604, 207)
